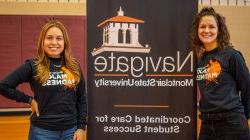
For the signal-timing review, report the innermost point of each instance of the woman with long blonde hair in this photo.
(59, 105)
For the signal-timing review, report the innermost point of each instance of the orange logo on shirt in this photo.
(213, 70)
(210, 72)
(70, 78)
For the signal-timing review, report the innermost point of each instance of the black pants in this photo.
(224, 126)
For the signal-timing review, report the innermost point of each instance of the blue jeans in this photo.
(224, 126)
(43, 134)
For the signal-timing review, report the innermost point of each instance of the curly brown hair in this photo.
(223, 37)
(42, 62)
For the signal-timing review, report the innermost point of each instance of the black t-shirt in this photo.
(224, 82)
(60, 107)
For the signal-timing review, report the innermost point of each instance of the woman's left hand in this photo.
(80, 134)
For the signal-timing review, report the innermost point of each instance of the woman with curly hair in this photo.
(59, 105)
(223, 80)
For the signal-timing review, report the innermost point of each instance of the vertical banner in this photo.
(140, 70)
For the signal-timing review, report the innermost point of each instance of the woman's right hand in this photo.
(34, 107)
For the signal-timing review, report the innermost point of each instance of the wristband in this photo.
(30, 100)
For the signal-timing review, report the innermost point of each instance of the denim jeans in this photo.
(43, 134)
(224, 126)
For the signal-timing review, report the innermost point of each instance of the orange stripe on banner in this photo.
(141, 106)
(169, 75)
(115, 75)
(147, 75)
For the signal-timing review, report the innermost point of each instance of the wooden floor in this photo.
(14, 127)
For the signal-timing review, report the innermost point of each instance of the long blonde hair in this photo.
(42, 61)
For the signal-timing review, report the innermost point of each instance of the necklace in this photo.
(57, 66)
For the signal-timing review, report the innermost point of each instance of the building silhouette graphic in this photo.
(121, 34)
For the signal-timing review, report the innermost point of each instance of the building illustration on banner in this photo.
(121, 34)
